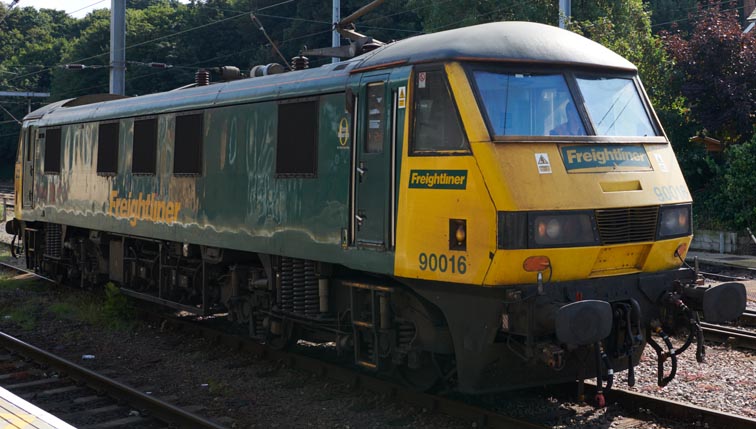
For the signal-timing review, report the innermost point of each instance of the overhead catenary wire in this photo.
(177, 33)
(85, 7)
(199, 64)
(9, 113)
(694, 16)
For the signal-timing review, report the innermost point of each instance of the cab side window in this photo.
(436, 124)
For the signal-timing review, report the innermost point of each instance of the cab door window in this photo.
(436, 123)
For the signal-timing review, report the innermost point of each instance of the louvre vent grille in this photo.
(627, 225)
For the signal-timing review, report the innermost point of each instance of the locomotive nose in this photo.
(584, 322)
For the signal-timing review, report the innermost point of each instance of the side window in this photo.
(187, 152)
(376, 99)
(144, 148)
(107, 148)
(297, 146)
(52, 151)
(437, 126)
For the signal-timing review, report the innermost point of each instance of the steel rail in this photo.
(731, 335)
(748, 318)
(666, 408)
(24, 270)
(157, 408)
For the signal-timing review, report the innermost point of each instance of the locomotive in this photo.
(490, 207)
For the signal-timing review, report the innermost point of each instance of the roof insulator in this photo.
(300, 62)
(202, 77)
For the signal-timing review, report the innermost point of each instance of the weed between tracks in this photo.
(23, 303)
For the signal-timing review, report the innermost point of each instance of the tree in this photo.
(717, 65)
(438, 16)
(30, 45)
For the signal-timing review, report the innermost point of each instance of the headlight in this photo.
(562, 229)
(674, 221)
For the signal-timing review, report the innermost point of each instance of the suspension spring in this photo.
(312, 299)
(53, 241)
(299, 286)
(287, 284)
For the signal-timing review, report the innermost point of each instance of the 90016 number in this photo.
(442, 263)
(670, 193)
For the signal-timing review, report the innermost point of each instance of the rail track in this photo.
(479, 416)
(673, 410)
(748, 318)
(729, 334)
(81, 397)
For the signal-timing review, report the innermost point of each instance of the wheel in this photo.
(280, 334)
(425, 377)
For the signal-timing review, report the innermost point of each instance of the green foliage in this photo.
(114, 312)
(717, 64)
(672, 14)
(30, 42)
(117, 309)
(8, 283)
(735, 200)
(438, 16)
(24, 316)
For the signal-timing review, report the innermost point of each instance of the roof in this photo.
(521, 42)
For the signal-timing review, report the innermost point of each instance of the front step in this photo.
(370, 317)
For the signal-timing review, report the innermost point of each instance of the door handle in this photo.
(359, 220)
(361, 170)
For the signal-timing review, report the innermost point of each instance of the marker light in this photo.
(680, 251)
(457, 234)
(674, 221)
(460, 234)
(536, 264)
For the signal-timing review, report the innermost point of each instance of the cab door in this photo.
(372, 159)
(28, 144)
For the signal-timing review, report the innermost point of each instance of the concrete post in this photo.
(118, 47)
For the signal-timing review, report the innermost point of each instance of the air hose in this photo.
(662, 356)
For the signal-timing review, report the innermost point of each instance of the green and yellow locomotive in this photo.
(483, 206)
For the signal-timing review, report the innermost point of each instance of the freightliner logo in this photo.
(438, 179)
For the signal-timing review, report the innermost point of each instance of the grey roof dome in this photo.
(519, 42)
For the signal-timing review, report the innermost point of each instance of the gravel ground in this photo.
(726, 381)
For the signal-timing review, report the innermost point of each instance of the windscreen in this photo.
(528, 105)
(532, 104)
(615, 107)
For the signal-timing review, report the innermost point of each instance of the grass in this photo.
(9, 284)
(216, 388)
(22, 302)
(114, 312)
(23, 316)
(5, 255)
